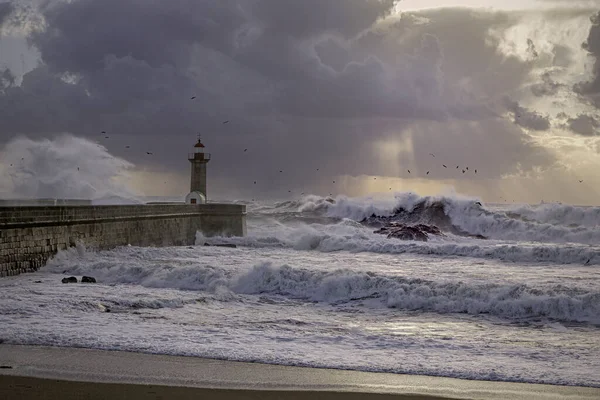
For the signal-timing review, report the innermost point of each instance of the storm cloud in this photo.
(6, 8)
(304, 85)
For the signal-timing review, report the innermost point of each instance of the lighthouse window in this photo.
(193, 201)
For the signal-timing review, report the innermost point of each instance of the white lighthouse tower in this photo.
(199, 158)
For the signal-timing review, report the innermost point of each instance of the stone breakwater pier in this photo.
(29, 236)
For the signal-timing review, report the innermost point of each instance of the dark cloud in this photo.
(528, 119)
(584, 124)
(592, 45)
(6, 8)
(305, 85)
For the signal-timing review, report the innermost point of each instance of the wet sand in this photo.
(69, 373)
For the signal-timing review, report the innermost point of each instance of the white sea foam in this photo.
(551, 224)
(559, 214)
(343, 285)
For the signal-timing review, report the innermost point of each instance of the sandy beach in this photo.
(68, 373)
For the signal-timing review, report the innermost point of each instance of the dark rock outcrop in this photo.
(414, 223)
(418, 232)
(88, 279)
(70, 279)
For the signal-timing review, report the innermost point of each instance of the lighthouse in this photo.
(199, 158)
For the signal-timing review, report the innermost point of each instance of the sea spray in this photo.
(64, 167)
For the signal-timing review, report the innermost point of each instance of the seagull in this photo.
(457, 167)
(390, 188)
(280, 170)
(427, 172)
(245, 150)
(103, 132)
(475, 171)
(444, 166)
(408, 171)
(467, 168)
(193, 97)
(333, 181)
(127, 147)
(317, 169)
(463, 171)
(105, 137)
(581, 181)
(225, 122)
(432, 155)
(148, 153)
(255, 182)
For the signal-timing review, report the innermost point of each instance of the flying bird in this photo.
(432, 155)
(225, 122)
(255, 182)
(317, 169)
(245, 150)
(333, 181)
(475, 171)
(579, 181)
(281, 170)
(463, 171)
(467, 168)
(408, 171)
(444, 166)
(457, 167)
(427, 172)
(148, 153)
(127, 147)
(103, 132)
(105, 137)
(192, 98)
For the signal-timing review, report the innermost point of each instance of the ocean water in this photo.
(313, 286)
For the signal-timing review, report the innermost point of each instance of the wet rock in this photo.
(70, 279)
(418, 232)
(88, 279)
(233, 246)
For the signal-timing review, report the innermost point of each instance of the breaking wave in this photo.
(343, 287)
(455, 215)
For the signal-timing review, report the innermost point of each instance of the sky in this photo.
(359, 92)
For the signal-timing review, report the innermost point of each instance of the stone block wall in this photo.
(29, 236)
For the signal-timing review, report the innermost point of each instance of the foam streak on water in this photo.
(313, 286)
